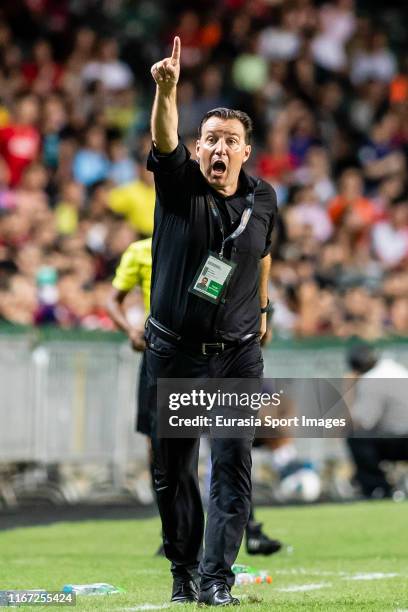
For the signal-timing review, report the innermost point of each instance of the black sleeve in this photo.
(172, 176)
(273, 208)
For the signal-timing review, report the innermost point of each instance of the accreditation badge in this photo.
(212, 278)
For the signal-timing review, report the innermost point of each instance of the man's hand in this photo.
(267, 338)
(137, 340)
(263, 327)
(166, 73)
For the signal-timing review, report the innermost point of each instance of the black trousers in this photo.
(368, 454)
(143, 401)
(175, 463)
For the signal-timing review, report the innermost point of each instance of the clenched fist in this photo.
(166, 73)
(137, 340)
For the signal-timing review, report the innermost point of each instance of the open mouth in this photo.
(218, 167)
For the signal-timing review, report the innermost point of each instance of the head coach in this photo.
(212, 220)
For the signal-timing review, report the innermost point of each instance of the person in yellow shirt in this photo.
(68, 208)
(133, 271)
(135, 201)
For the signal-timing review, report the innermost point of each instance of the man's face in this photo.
(28, 111)
(221, 151)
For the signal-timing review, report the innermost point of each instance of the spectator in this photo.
(187, 112)
(390, 237)
(108, 68)
(31, 197)
(42, 74)
(374, 61)
(380, 154)
(337, 25)
(275, 163)
(122, 168)
(367, 104)
(210, 93)
(68, 209)
(189, 30)
(135, 201)
(20, 139)
(12, 77)
(250, 70)
(84, 45)
(91, 163)
(53, 128)
(283, 41)
(123, 112)
(308, 211)
(316, 172)
(350, 206)
(303, 137)
(20, 302)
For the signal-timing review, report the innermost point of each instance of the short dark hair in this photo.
(361, 357)
(229, 113)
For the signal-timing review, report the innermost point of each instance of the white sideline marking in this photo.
(306, 572)
(344, 575)
(371, 576)
(295, 588)
(304, 587)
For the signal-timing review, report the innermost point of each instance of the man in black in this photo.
(380, 417)
(210, 206)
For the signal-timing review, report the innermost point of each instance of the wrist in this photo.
(268, 308)
(167, 90)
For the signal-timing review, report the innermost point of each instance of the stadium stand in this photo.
(327, 87)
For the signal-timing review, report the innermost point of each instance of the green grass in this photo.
(331, 543)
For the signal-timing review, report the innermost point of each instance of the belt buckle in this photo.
(214, 345)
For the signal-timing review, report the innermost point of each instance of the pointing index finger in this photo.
(175, 54)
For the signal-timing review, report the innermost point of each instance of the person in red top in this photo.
(351, 200)
(276, 162)
(42, 74)
(20, 140)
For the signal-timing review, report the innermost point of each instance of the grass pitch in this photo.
(345, 557)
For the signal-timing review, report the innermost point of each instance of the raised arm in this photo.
(164, 121)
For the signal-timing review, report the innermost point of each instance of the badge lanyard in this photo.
(246, 215)
(214, 273)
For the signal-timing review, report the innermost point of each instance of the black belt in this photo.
(205, 348)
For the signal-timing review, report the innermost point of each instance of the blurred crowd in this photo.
(327, 87)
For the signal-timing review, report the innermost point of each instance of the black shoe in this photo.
(160, 551)
(185, 590)
(217, 594)
(257, 543)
